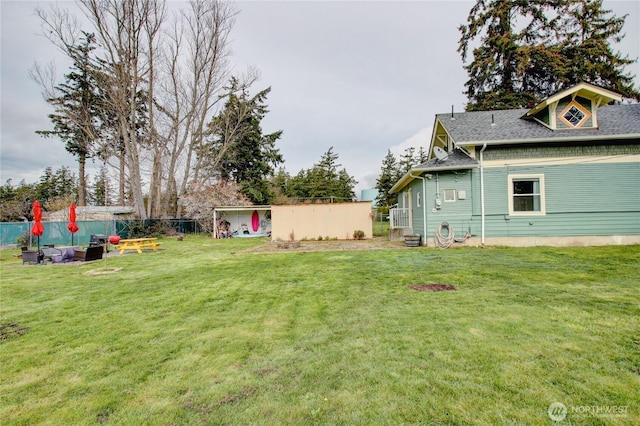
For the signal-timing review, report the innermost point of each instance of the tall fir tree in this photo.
(245, 156)
(325, 182)
(101, 193)
(587, 33)
(422, 156)
(407, 160)
(527, 50)
(388, 177)
(497, 71)
(76, 119)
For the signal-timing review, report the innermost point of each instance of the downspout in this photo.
(482, 196)
(424, 206)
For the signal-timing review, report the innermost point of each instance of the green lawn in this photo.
(206, 332)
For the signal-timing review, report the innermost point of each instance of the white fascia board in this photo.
(411, 174)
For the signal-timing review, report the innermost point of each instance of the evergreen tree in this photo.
(530, 49)
(329, 182)
(56, 189)
(300, 185)
(407, 161)
(325, 182)
(500, 62)
(16, 202)
(244, 155)
(587, 31)
(422, 156)
(281, 187)
(77, 109)
(388, 177)
(102, 191)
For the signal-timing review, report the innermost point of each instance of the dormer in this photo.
(574, 108)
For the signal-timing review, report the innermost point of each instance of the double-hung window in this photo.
(526, 195)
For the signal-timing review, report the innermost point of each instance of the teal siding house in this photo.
(566, 172)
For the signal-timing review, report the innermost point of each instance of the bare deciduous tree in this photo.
(203, 198)
(158, 95)
(126, 31)
(197, 58)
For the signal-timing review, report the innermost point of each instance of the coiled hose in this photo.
(442, 241)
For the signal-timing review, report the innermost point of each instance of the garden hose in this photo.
(442, 241)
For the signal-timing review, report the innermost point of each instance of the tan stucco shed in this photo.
(310, 221)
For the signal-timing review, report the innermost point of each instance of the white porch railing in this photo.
(399, 218)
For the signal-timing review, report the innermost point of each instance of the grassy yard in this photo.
(208, 332)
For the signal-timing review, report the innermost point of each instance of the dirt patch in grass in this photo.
(10, 330)
(103, 271)
(432, 287)
(230, 399)
(331, 245)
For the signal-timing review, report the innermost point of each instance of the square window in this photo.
(526, 195)
(449, 195)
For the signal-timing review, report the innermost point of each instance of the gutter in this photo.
(424, 206)
(482, 195)
(552, 139)
(403, 181)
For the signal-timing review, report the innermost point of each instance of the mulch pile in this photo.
(432, 287)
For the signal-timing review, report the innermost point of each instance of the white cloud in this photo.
(421, 139)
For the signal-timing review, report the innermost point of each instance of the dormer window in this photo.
(575, 115)
(573, 108)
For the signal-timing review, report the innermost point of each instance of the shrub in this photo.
(23, 240)
(358, 235)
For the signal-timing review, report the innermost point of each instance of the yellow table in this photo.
(137, 244)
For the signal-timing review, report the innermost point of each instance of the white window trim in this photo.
(418, 203)
(445, 196)
(543, 207)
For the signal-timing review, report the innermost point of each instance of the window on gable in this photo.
(526, 195)
(575, 115)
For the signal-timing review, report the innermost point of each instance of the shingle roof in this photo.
(475, 127)
(455, 161)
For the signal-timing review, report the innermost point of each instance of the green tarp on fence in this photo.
(58, 234)
(55, 232)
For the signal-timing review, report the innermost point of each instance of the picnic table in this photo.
(137, 244)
